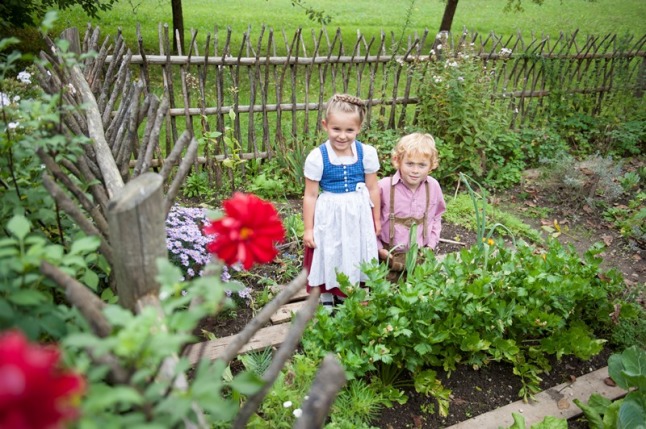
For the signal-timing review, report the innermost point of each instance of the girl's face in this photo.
(342, 130)
(414, 169)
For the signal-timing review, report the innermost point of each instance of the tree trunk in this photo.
(449, 13)
(178, 25)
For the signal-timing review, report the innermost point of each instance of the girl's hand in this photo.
(308, 239)
(377, 228)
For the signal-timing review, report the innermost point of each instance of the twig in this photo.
(329, 380)
(68, 206)
(444, 240)
(285, 351)
(79, 296)
(93, 209)
(261, 318)
(182, 172)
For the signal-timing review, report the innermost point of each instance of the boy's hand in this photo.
(308, 239)
(383, 254)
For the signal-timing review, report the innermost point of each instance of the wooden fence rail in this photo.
(267, 102)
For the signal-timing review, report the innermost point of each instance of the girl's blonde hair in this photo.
(415, 144)
(346, 103)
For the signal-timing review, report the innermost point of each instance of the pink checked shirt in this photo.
(408, 203)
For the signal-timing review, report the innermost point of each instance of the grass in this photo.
(368, 16)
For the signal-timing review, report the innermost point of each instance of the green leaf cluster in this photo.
(628, 370)
(524, 304)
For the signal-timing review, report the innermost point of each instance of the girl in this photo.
(342, 222)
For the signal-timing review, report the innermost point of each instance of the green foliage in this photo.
(30, 301)
(460, 211)
(140, 343)
(549, 422)
(358, 404)
(519, 307)
(628, 370)
(631, 218)
(20, 13)
(197, 185)
(472, 129)
(257, 362)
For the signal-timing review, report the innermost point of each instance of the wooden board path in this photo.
(269, 336)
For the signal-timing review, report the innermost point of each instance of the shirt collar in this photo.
(333, 157)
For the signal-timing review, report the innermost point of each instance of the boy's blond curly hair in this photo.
(415, 144)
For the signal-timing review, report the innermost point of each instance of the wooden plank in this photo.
(285, 313)
(265, 337)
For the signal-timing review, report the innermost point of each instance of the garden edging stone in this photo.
(556, 401)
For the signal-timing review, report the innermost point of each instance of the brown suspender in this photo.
(406, 221)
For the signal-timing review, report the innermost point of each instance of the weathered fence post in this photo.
(137, 229)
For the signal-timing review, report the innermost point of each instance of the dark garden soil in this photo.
(478, 391)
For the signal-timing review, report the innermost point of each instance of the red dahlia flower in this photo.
(34, 392)
(248, 231)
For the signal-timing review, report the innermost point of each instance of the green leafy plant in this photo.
(549, 422)
(197, 185)
(472, 128)
(628, 370)
(359, 404)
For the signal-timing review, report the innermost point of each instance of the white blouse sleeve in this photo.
(370, 159)
(314, 165)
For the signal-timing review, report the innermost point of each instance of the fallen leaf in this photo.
(636, 257)
(417, 420)
(546, 222)
(609, 382)
(607, 239)
(572, 378)
(563, 404)
(587, 208)
(529, 203)
(458, 401)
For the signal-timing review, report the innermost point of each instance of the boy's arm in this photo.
(373, 189)
(435, 218)
(309, 201)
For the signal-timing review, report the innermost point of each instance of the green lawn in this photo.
(370, 17)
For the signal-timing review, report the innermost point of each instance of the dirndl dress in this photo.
(344, 234)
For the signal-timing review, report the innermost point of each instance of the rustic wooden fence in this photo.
(269, 102)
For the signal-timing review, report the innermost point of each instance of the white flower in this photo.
(12, 125)
(24, 77)
(4, 99)
(16, 98)
(72, 89)
(432, 51)
(460, 79)
(297, 412)
(505, 51)
(437, 79)
(439, 47)
(306, 397)
(287, 404)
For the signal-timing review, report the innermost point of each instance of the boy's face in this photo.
(414, 169)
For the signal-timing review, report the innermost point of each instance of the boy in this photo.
(410, 197)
